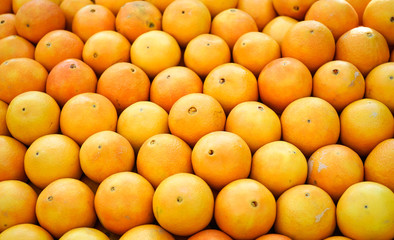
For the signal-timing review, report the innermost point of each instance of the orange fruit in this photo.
(278, 27)
(7, 25)
(365, 47)
(293, 8)
(261, 11)
(279, 165)
(112, 202)
(186, 19)
(137, 17)
(183, 204)
(68, 78)
(124, 84)
(26, 231)
(6, 6)
(339, 83)
(16, 4)
(84, 233)
(36, 18)
(65, 204)
(334, 168)
(100, 56)
(231, 84)
(337, 238)
(379, 84)
(254, 50)
(273, 236)
(205, 52)
(140, 121)
(160, 4)
(114, 6)
(310, 123)
(105, 153)
(195, 115)
(52, 157)
(221, 157)
(15, 46)
(155, 51)
(12, 154)
(17, 204)
(212, 234)
(172, 83)
(338, 15)
(359, 6)
(246, 217)
(85, 114)
(91, 184)
(379, 164)
(20, 75)
(232, 23)
(3, 123)
(378, 15)
(147, 232)
(217, 6)
(275, 79)
(364, 124)
(56, 46)
(305, 212)
(365, 211)
(31, 115)
(163, 155)
(311, 42)
(256, 123)
(70, 8)
(91, 19)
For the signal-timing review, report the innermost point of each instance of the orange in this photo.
(231, 84)
(217, 6)
(7, 25)
(17, 204)
(85, 114)
(155, 51)
(379, 84)
(31, 115)
(364, 124)
(186, 19)
(278, 27)
(68, 78)
(282, 81)
(254, 50)
(20, 75)
(183, 204)
(36, 18)
(100, 55)
(140, 121)
(6, 6)
(105, 153)
(124, 84)
(261, 11)
(195, 115)
(293, 8)
(91, 184)
(112, 202)
(160, 4)
(65, 204)
(334, 168)
(279, 165)
(273, 236)
(113, 5)
(173, 83)
(232, 23)
(305, 212)
(3, 124)
(205, 52)
(147, 232)
(337, 238)
(221, 157)
(12, 154)
(52, 157)
(86, 233)
(91, 19)
(365, 47)
(359, 6)
(15, 46)
(379, 163)
(310, 123)
(311, 42)
(26, 231)
(163, 155)
(256, 123)
(338, 15)
(136, 18)
(16, 4)
(70, 8)
(245, 209)
(366, 211)
(339, 83)
(56, 46)
(378, 15)
(111, 235)
(212, 234)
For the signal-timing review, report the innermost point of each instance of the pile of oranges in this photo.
(196, 119)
